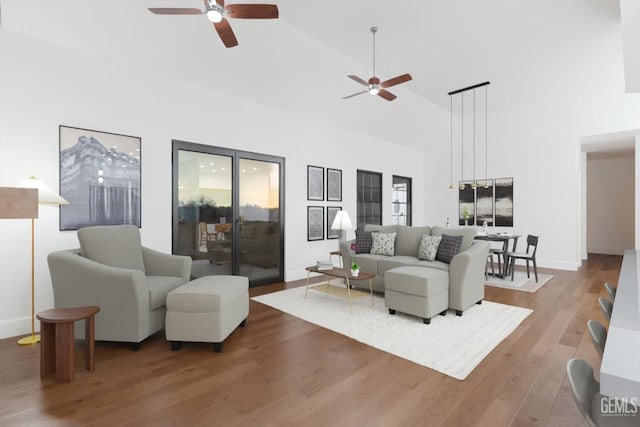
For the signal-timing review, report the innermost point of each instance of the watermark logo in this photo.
(624, 407)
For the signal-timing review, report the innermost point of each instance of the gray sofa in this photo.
(114, 271)
(465, 273)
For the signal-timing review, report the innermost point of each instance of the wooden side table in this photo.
(56, 342)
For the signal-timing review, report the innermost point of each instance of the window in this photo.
(369, 198)
(401, 200)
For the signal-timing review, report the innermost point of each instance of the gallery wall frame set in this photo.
(100, 176)
(316, 184)
(493, 204)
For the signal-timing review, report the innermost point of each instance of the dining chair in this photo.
(607, 307)
(586, 393)
(530, 255)
(598, 335)
(611, 290)
(486, 267)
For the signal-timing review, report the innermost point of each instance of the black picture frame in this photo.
(503, 202)
(484, 202)
(331, 215)
(315, 183)
(100, 177)
(334, 185)
(466, 201)
(315, 223)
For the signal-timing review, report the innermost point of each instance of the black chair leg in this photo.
(513, 267)
(528, 275)
(535, 269)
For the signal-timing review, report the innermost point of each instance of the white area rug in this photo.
(450, 344)
(520, 281)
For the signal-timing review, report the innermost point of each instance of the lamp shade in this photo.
(342, 221)
(18, 203)
(46, 196)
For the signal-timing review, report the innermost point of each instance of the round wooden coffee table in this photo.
(56, 341)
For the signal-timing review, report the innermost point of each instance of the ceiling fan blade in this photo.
(358, 79)
(355, 94)
(226, 33)
(175, 11)
(386, 95)
(252, 11)
(396, 80)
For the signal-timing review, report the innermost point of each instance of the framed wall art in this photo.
(315, 183)
(484, 202)
(100, 177)
(315, 223)
(334, 185)
(504, 202)
(331, 215)
(466, 206)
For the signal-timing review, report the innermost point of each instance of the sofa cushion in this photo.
(159, 287)
(363, 242)
(449, 247)
(387, 263)
(113, 245)
(381, 228)
(408, 239)
(433, 264)
(429, 247)
(467, 233)
(368, 262)
(383, 243)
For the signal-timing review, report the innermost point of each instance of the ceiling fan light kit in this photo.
(217, 12)
(374, 86)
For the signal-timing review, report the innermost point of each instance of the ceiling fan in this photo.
(374, 86)
(218, 13)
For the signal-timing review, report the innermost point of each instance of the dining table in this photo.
(505, 238)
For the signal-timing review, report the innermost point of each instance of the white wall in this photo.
(610, 202)
(44, 85)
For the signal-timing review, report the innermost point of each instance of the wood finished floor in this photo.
(280, 370)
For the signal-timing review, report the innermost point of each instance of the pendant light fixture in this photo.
(462, 143)
(486, 115)
(451, 187)
(474, 183)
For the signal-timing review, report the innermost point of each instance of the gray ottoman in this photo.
(420, 291)
(206, 309)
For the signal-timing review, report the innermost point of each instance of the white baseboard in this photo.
(17, 327)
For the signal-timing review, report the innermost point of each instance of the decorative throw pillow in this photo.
(429, 247)
(449, 247)
(383, 243)
(363, 242)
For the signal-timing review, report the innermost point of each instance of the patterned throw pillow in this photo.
(363, 242)
(449, 247)
(429, 247)
(383, 243)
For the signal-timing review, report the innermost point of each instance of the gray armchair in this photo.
(129, 282)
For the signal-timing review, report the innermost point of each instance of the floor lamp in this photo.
(46, 196)
(18, 203)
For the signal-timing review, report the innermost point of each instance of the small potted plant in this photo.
(355, 268)
(465, 214)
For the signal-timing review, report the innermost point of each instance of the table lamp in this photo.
(46, 196)
(342, 222)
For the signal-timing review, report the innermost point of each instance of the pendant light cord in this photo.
(451, 137)
(486, 132)
(474, 138)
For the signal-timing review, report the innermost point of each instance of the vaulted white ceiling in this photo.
(527, 49)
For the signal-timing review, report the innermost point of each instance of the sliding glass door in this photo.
(227, 211)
